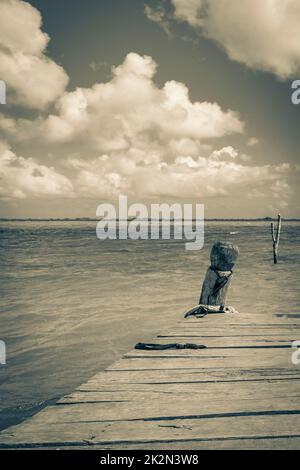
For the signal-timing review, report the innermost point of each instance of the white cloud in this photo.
(280, 187)
(152, 142)
(33, 79)
(158, 15)
(253, 141)
(8, 125)
(263, 35)
(188, 10)
(221, 174)
(225, 153)
(131, 110)
(23, 177)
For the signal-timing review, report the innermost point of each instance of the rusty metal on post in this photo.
(276, 238)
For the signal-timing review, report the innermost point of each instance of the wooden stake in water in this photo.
(276, 238)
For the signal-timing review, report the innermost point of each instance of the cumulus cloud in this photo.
(220, 174)
(136, 138)
(132, 136)
(24, 177)
(225, 153)
(33, 79)
(131, 110)
(263, 35)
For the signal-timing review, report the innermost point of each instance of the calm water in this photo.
(72, 304)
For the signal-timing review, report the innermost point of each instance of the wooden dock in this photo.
(242, 392)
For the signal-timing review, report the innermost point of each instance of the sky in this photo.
(164, 101)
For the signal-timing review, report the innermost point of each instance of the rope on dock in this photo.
(158, 347)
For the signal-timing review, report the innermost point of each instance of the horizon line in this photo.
(92, 219)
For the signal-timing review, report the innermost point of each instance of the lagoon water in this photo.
(72, 304)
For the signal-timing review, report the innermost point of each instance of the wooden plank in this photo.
(289, 443)
(246, 330)
(174, 408)
(230, 342)
(240, 319)
(245, 324)
(138, 432)
(238, 316)
(242, 389)
(225, 390)
(211, 352)
(244, 327)
(233, 331)
(292, 332)
(212, 383)
(275, 443)
(260, 358)
(180, 376)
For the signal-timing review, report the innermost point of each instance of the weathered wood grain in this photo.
(218, 276)
(123, 378)
(260, 358)
(167, 408)
(139, 432)
(241, 392)
(225, 390)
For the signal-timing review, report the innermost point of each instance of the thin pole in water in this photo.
(276, 238)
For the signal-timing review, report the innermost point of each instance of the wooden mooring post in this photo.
(276, 238)
(219, 275)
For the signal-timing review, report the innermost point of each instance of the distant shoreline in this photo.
(92, 219)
